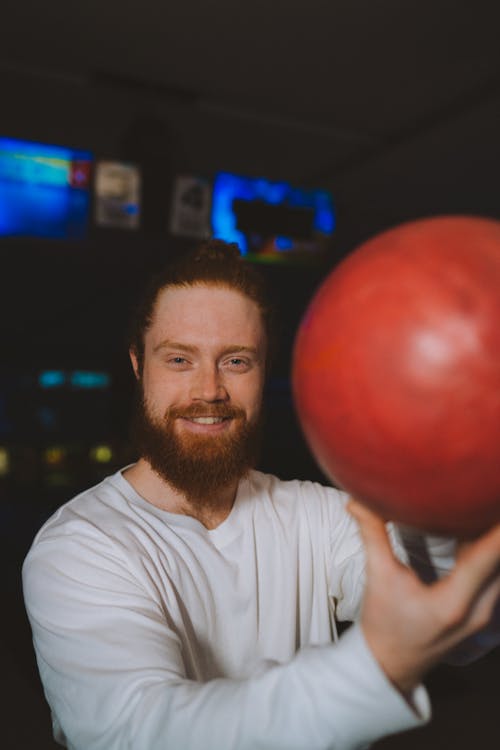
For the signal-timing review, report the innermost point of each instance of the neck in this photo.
(210, 511)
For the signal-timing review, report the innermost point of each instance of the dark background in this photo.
(393, 106)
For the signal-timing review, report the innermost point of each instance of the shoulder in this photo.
(84, 544)
(294, 487)
(89, 524)
(297, 495)
(88, 510)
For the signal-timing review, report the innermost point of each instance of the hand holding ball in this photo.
(396, 374)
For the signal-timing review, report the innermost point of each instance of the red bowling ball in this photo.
(396, 374)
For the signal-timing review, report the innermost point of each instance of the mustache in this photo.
(217, 409)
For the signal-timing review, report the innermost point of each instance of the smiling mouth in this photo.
(207, 420)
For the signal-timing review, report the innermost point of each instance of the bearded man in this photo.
(189, 602)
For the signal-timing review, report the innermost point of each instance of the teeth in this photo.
(207, 420)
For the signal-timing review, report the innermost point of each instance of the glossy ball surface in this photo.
(396, 374)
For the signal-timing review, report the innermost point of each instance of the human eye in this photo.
(239, 364)
(177, 361)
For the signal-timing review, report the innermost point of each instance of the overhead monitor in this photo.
(272, 222)
(44, 190)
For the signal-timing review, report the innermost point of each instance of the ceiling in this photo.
(359, 77)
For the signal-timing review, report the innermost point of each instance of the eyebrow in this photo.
(232, 348)
(167, 344)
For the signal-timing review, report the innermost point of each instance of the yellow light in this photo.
(54, 456)
(102, 454)
(4, 462)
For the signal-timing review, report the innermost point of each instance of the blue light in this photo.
(89, 380)
(272, 192)
(131, 209)
(31, 149)
(229, 187)
(324, 221)
(51, 379)
(44, 190)
(284, 243)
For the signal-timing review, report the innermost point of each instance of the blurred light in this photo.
(88, 379)
(229, 187)
(284, 243)
(101, 454)
(44, 189)
(51, 379)
(54, 456)
(4, 462)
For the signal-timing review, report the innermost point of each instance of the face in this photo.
(202, 381)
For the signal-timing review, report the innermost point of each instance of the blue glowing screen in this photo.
(44, 190)
(79, 379)
(257, 213)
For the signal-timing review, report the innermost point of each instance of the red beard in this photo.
(198, 466)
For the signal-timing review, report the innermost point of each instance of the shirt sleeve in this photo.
(113, 673)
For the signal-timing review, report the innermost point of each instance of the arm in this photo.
(113, 672)
(411, 626)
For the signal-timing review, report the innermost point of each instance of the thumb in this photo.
(478, 564)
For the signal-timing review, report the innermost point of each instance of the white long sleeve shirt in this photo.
(153, 633)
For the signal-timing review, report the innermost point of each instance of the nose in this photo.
(208, 384)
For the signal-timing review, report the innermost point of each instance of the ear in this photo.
(135, 363)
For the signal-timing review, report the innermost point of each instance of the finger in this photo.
(487, 606)
(379, 553)
(490, 537)
(477, 566)
(481, 630)
(357, 507)
(482, 557)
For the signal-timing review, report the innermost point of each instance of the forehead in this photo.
(206, 312)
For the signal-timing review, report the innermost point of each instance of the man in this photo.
(189, 602)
